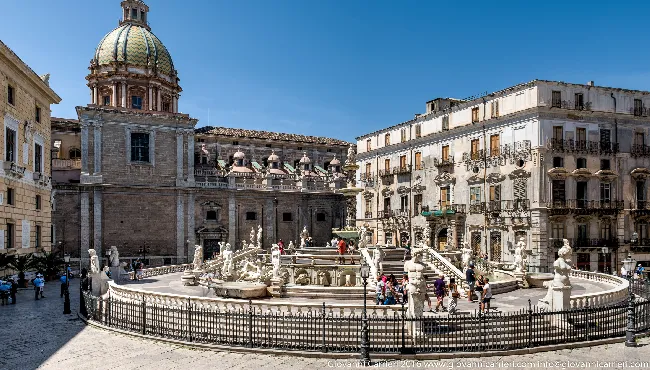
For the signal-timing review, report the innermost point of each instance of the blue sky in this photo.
(340, 68)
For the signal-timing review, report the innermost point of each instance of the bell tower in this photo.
(135, 12)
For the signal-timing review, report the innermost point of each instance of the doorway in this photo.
(442, 239)
(210, 248)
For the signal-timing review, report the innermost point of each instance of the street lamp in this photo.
(629, 263)
(66, 302)
(365, 343)
(635, 237)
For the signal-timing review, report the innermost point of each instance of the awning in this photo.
(257, 166)
(320, 169)
(222, 164)
(289, 168)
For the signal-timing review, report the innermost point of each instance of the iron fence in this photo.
(322, 330)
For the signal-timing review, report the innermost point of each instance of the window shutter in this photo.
(520, 189)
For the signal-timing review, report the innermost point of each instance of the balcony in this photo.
(66, 164)
(420, 166)
(443, 210)
(402, 169)
(367, 177)
(641, 245)
(640, 208)
(443, 162)
(384, 214)
(640, 150)
(385, 173)
(368, 215)
(582, 146)
(583, 206)
(14, 169)
(581, 243)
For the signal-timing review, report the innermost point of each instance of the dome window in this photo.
(134, 14)
(106, 100)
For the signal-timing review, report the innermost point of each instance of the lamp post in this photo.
(365, 343)
(143, 250)
(66, 302)
(629, 263)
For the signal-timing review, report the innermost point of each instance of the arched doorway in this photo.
(404, 238)
(442, 239)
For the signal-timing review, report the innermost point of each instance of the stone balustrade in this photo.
(162, 270)
(66, 164)
(442, 264)
(614, 295)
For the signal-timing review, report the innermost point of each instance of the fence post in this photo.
(250, 323)
(324, 315)
(586, 308)
(403, 328)
(144, 315)
(530, 325)
(630, 340)
(189, 318)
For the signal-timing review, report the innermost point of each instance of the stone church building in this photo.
(132, 171)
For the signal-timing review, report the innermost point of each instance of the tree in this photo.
(48, 263)
(6, 260)
(22, 263)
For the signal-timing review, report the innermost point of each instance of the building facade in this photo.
(25, 187)
(542, 160)
(135, 173)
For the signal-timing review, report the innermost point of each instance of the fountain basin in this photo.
(240, 290)
(537, 279)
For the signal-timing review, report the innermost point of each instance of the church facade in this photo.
(135, 173)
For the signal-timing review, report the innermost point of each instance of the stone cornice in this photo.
(94, 112)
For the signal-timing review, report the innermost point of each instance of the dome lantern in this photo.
(274, 161)
(335, 165)
(135, 12)
(305, 162)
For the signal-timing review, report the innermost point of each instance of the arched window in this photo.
(74, 153)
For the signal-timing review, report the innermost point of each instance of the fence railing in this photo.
(322, 329)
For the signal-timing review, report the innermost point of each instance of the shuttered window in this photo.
(520, 189)
(495, 192)
(475, 195)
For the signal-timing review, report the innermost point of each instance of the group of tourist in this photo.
(344, 248)
(480, 286)
(8, 291)
(391, 291)
(137, 266)
(636, 274)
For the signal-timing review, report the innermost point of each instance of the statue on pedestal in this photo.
(350, 160)
(467, 255)
(226, 270)
(362, 236)
(291, 247)
(303, 237)
(94, 261)
(259, 236)
(198, 257)
(252, 235)
(520, 256)
(559, 289)
(417, 286)
(427, 236)
(378, 259)
(250, 272)
(275, 260)
(114, 258)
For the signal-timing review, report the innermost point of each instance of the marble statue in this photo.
(558, 296)
(417, 286)
(94, 261)
(114, 257)
(427, 236)
(53, 200)
(253, 235)
(351, 158)
(275, 260)
(291, 247)
(198, 257)
(226, 270)
(362, 236)
(378, 259)
(303, 237)
(303, 279)
(324, 278)
(520, 255)
(259, 236)
(467, 255)
(250, 272)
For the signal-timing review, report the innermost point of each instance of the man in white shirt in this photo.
(487, 295)
(380, 290)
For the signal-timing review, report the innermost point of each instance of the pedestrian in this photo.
(380, 288)
(334, 242)
(407, 252)
(639, 272)
(480, 282)
(426, 292)
(404, 288)
(64, 284)
(440, 289)
(391, 293)
(281, 246)
(39, 284)
(12, 292)
(351, 250)
(140, 266)
(454, 295)
(470, 277)
(342, 247)
(487, 295)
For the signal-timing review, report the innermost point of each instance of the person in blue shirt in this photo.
(639, 271)
(64, 284)
(39, 284)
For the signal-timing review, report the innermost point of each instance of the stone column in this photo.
(95, 94)
(179, 156)
(190, 157)
(191, 236)
(85, 226)
(124, 94)
(97, 146)
(114, 102)
(150, 102)
(232, 219)
(180, 229)
(159, 100)
(269, 215)
(84, 149)
(175, 104)
(97, 222)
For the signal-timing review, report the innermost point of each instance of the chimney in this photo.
(590, 83)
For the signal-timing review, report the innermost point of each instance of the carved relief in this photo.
(494, 178)
(640, 173)
(367, 194)
(444, 179)
(475, 179)
(582, 174)
(519, 174)
(606, 175)
(387, 192)
(403, 190)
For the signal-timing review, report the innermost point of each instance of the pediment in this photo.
(606, 175)
(475, 179)
(640, 173)
(558, 173)
(444, 179)
(494, 178)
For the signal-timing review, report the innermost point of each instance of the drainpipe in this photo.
(486, 190)
(616, 167)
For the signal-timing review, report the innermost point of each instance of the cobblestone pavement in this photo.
(37, 335)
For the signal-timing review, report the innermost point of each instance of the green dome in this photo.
(135, 45)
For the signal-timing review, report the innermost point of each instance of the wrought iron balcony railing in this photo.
(420, 166)
(640, 150)
(385, 214)
(385, 172)
(443, 162)
(367, 176)
(587, 243)
(582, 206)
(402, 169)
(368, 214)
(582, 146)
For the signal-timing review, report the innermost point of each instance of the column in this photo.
(179, 156)
(124, 94)
(97, 145)
(159, 100)
(190, 157)
(150, 102)
(85, 227)
(269, 215)
(175, 104)
(97, 222)
(114, 102)
(84, 148)
(180, 229)
(191, 236)
(232, 219)
(95, 93)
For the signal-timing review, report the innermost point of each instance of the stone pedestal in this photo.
(275, 289)
(99, 283)
(557, 298)
(191, 278)
(116, 274)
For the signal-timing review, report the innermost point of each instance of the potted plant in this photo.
(49, 264)
(22, 263)
(5, 261)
